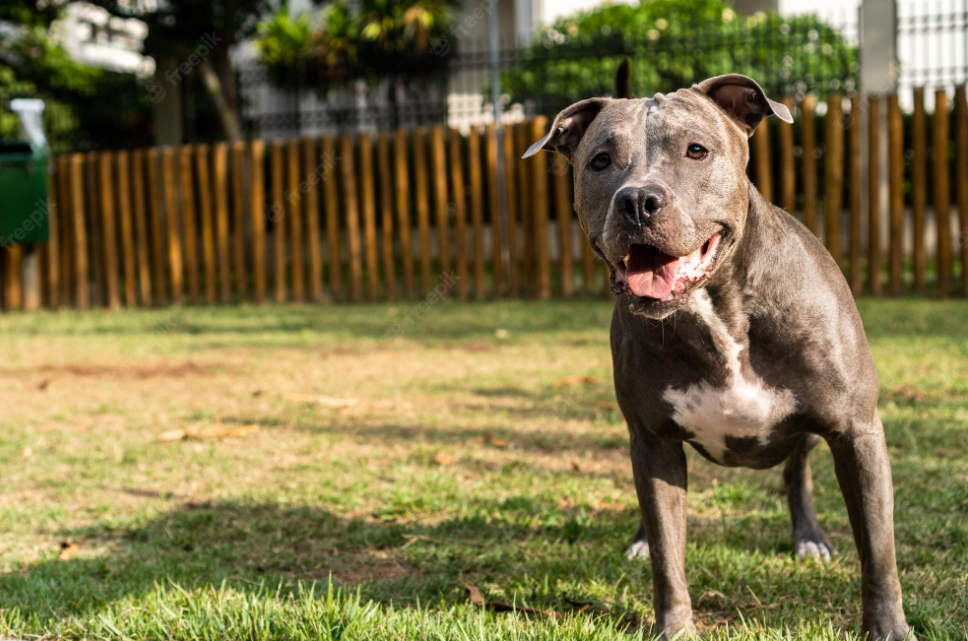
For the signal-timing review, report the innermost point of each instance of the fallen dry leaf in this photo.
(477, 598)
(443, 458)
(223, 432)
(67, 550)
(606, 405)
(173, 435)
(490, 439)
(574, 380)
(217, 431)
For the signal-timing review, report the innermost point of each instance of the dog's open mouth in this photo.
(646, 272)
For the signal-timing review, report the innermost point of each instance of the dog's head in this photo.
(660, 183)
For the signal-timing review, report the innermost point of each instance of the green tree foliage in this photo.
(674, 43)
(197, 36)
(368, 40)
(32, 64)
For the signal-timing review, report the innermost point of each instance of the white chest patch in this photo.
(741, 409)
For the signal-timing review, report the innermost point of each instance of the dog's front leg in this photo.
(864, 473)
(660, 481)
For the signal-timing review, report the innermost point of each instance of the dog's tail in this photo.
(623, 84)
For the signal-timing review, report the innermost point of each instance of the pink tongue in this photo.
(651, 273)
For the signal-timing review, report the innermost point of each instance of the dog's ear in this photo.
(568, 128)
(743, 99)
(623, 83)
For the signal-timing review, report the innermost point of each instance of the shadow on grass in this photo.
(514, 544)
(543, 441)
(248, 545)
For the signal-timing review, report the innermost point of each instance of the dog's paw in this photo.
(638, 550)
(888, 634)
(815, 550)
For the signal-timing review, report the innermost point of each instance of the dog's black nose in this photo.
(640, 204)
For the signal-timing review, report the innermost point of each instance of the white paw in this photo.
(638, 550)
(812, 550)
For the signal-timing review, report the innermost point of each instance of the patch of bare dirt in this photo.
(80, 370)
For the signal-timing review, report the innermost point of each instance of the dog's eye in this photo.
(601, 161)
(696, 152)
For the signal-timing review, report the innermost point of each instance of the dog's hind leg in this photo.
(809, 539)
(639, 547)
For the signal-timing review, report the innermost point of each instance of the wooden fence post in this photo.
(293, 211)
(874, 194)
(186, 189)
(220, 183)
(942, 191)
(402, 186)
(351, 208)
(331, 197)
(82, 290)
(141, 227)
(439, 181)
(522, 133)
(157, 227)
(96, 238)
(539, 183)
(205, 189)
(460, 207)
(109, 228)
(316, 169)
(66, 228)
(386, 205)
(174, 239)
(856, 186)
(278, 216)
(50, 253)
(895, 146)
(368, 189)
(257, 209)
(423, 208)
(961, 178)
(809, 133)
(477, 209)
(14, 276)
(497, 240)
(238, 219)
(511, 184)
(127, 229)
(919, 187)
(834, 174)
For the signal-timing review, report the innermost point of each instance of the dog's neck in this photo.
(713, 327)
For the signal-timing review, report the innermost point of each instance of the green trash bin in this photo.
(24, 213)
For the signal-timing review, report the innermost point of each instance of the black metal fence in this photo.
(932, 40)
(787, 55)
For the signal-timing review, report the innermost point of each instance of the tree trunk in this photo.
(222, 59)
(166, 97)
(217, 92)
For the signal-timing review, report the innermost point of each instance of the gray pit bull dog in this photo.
(734, 330)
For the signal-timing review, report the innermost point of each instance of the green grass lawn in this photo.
(392, 469)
